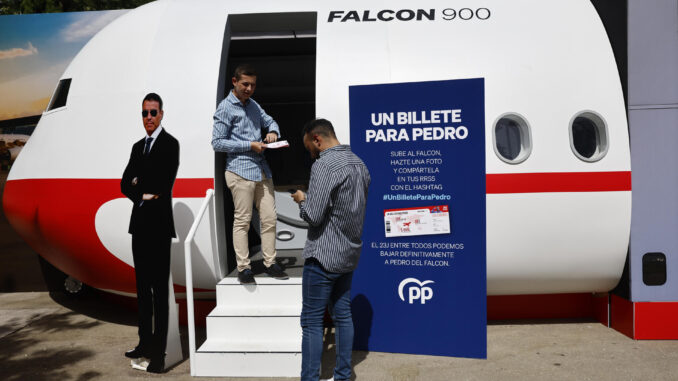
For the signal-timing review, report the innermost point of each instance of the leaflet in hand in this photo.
(278, 144)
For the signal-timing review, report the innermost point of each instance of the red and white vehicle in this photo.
(557, 141)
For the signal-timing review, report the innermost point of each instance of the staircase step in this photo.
(261, 280)
(255, 364)
(254, 328)
(251, 346)
(266, 291)
(257, 310)
(254, 331)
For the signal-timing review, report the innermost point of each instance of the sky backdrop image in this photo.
(35, 50)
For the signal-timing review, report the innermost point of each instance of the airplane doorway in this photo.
(282, 48)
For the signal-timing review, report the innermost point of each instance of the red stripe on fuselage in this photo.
(57, 216)
(497, 183)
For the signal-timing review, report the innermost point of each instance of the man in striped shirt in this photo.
(238, 125)
(334, 208)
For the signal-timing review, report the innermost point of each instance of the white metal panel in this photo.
(556, 242)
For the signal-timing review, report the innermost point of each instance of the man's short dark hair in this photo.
(154, 98)
(321, 127)
(244, 69)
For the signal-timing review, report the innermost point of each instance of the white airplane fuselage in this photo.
(556, 223)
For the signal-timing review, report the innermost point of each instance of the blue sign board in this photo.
(420, 286)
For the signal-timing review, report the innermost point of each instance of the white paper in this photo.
(417, 221)
(278, 144)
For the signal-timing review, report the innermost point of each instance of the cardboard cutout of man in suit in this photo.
(147, 181)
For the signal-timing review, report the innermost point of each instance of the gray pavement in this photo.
(45, 337)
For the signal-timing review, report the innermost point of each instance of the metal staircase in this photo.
(254, 330)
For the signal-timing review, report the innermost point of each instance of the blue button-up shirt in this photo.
(235, 127)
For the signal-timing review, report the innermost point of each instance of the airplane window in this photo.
(512, 142)
(588, 136)
(60, 94)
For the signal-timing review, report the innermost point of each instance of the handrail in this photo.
(293, 222)
(189, 277)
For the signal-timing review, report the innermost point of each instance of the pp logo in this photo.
(416, 291)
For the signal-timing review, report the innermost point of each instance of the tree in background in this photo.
(9, 7)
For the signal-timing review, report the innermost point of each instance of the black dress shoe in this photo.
(246, 277)
(157, 365)
(275, 271)
(136, 353)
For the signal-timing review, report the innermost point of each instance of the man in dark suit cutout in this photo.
(147, 181)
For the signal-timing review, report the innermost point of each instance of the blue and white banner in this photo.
(420, 286)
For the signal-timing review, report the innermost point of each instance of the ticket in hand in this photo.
(278, 144)
(425, 220)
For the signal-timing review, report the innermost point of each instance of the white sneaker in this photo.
(328, 379)
(140, 364)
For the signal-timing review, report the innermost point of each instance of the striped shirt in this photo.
(235, 127)
(335, 209)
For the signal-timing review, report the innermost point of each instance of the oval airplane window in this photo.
(512, 140)
(588, 136)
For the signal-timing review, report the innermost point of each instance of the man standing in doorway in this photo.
(147, 181)
(238, 125)
(334, 208)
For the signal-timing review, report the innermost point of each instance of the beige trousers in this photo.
(245, 194)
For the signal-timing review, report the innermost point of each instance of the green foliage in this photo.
(14, 7)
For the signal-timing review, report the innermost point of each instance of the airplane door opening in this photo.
(282, 48)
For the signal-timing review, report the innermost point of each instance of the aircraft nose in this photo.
(56, 218)
(21, 210)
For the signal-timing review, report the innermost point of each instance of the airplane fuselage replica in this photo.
(557, 141)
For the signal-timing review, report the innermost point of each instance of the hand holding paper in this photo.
(279, 144)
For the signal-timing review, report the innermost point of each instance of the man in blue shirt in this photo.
(238, 125)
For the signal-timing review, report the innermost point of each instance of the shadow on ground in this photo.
(100, 305)
(118, 309)
(25, 357)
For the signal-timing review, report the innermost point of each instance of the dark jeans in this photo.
(320, 289)
(152, 266)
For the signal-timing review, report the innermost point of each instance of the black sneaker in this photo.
(274, 271)
(246, 277)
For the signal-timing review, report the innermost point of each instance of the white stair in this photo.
(254, 331)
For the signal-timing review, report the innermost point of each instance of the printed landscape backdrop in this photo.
(35, 50)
